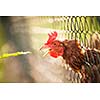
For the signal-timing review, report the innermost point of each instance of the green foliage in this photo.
(6, 55)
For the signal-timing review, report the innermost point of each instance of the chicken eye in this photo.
(54, 43)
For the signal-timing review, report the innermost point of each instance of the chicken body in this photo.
(82, 60)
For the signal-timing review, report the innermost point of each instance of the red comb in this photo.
(52, 37)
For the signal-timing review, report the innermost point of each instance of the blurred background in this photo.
(29, 33)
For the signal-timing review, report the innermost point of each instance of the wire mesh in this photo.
(86, 29)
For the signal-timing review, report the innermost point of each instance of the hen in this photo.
(82, 60)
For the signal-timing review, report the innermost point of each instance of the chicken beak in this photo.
(41, 48)
(47, 51)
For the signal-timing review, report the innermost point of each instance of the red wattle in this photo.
(53, 54)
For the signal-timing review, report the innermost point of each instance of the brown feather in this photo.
(86, 61)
